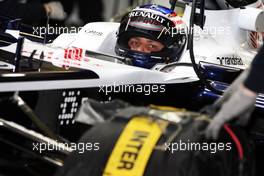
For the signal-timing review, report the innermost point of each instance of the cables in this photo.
(236, 141)
(239, 149)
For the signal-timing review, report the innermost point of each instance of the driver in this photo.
(145, 45)
(151, 34)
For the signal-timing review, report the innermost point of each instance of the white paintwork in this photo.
(101, 37)
(251, 19)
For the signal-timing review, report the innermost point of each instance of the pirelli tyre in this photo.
(149, 146)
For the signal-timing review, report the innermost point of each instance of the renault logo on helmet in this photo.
(147, 15)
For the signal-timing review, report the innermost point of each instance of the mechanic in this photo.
(239, 99)
(32, 11)
(146, 36)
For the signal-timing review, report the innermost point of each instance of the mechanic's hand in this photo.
(232, 88)
(54, 10)
(211, 110)
(240, 105)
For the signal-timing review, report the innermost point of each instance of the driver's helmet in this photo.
(155, 23)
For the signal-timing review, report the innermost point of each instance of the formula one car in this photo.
(55, 96)
(233, 43)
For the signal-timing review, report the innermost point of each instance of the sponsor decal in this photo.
(72, 56)
(134, 148)
(93, 32)
(148, 15)
(178, 22)
(73, 53)
(230, 60)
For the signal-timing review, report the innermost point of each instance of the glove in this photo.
(211, 110)
(241, 104)
(55, 10)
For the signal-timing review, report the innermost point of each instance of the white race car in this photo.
(227, 44)
(225, 40)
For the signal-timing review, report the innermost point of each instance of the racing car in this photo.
(233, 42)
(92, 51)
